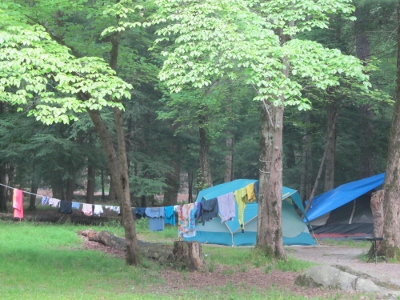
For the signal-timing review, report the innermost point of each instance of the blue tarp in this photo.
(343, 194)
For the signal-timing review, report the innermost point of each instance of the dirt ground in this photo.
(386, 274)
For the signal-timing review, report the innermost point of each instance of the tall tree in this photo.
(391, 205)
(40, 73)
(256, 38)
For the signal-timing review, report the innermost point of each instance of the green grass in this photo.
(47, 261)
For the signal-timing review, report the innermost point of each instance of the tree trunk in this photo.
(361, 29)
(111, 192)
(269, 225)
(173, 182)
(119, 173)
(103, 194)
(229, 158)
(306, 169)
(391, 204)
(330, 135)
(331, 146)
(189, 255)
(69, 195)
(57, 188)
(32, 196)
(91, 176)
(3, 189)
(377, 212)
(204, 155)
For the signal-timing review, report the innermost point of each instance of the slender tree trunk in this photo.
(306, 169)
(91, 179)
(204, 154)
(3, 189)
(361, 26)
(331, 146)
(111, 192)
(190, 186)
(32, 196)
(119, 172)
(57, 188)
(229, 158)
(330, 135)
(69, 195)
(391, 204)
(173, 181)
(103, 194)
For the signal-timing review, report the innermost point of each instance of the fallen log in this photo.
(183, 255)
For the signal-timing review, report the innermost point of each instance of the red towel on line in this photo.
(18, 204)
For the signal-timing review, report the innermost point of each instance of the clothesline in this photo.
(38, 195)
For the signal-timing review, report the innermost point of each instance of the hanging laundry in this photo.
(87, 209)
(54, 202)
(18, 203)
(198, 210)
(169, 213)
(251, 196)
(45, 200)
(76, 205)
(226, 206)
(256, 188)
(117, 209)
(209, 210)
(241, 200)
(186, 220)
(140, 212)
(156, 218)
(98, 209)
(65, 207)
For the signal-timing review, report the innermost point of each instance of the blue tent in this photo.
(345, 212)
(343, 194)
(294, 230)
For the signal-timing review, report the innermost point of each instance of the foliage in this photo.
(39, 73)
(214, 40)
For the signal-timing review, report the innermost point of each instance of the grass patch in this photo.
(48, 262)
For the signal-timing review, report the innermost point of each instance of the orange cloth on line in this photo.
(18, 204)
(251, 196)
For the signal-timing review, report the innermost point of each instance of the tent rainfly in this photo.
(345, 212)
(294, 230)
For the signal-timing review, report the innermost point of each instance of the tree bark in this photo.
(269, 225)
(331, 146)
(111, 191)
(3, 189)
(306, 168)
(119, 172)
(57, 188)
(189, 255)
(32, 196)
(330, 134)
(91, 176)
(204, 155)
(173, 182)
(391, 204)
(229, 158)
(69, 195)
(361, 29)
(377, 212)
